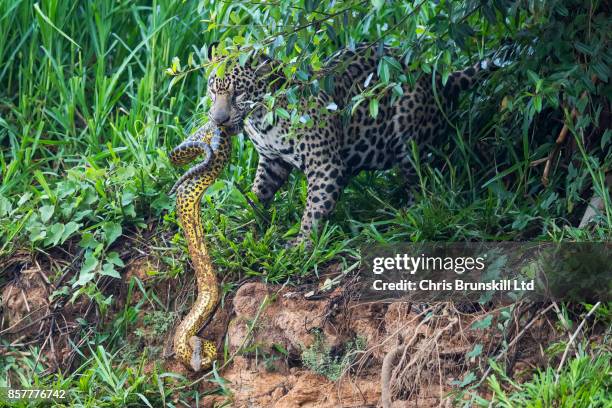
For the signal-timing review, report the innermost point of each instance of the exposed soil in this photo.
(267, 318)
(29, 316)
(265, 329)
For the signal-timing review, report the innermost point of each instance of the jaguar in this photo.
(335, 146)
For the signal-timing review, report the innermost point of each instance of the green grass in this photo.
(584, 382)
(88, 115)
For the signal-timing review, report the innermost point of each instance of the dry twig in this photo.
(573, 338)
(559, 141)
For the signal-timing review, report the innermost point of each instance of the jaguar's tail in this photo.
(465, 79)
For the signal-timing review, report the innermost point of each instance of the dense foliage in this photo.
(88, 115)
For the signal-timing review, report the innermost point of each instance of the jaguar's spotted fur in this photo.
(335, 147)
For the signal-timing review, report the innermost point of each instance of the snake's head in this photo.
(202, 353)
(196, 353)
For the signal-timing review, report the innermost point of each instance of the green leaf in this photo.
(374, 107)
(113, 257)
(461, 32)
(269, 118)
(282, 113)
(310, 5)
(221, 67)
(398, 90)
(127, 198)
(235, 17)
(46, 211)
(176, 64)
(174, 81)
(383, 71)
(89, 263)
(87, 270)
(378, 4)
(467, 379)
(601, 70)
(243, 58)
(537, 103)
(88, 241)
(37, 232)
(84, 279)
(55, 233)
(533, 77)
(583, 48)
(109, 270)
(290, 44)
(393, 63)
(605, 139)
(280, 349)
(112, 231)
(483, 323)
(5, 206)
(475, 352)
(24, 199)
(561, 9)
(331, 33)
(69, 229)
(489, 13)
(545, 204)
(161, 203)
(521, 221)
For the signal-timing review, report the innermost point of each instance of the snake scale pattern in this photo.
(215, 145)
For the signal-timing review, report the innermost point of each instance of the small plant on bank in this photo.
(321, 359)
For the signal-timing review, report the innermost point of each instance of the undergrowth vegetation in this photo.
(93, 96)
(320, 358)
(584, 383)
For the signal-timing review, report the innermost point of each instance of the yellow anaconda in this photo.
(215, 144)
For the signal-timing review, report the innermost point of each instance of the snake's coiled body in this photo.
(215, 144)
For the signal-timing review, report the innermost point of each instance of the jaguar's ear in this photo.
(210, 50)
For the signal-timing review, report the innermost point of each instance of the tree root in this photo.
(385, 375)
(401, 351)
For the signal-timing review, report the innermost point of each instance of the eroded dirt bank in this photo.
(428, 349)
(291, 347)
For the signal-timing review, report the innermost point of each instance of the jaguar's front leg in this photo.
(270, 176)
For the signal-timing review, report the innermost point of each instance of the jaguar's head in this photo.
(235, 93)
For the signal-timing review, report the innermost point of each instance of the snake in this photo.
(215, 144)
